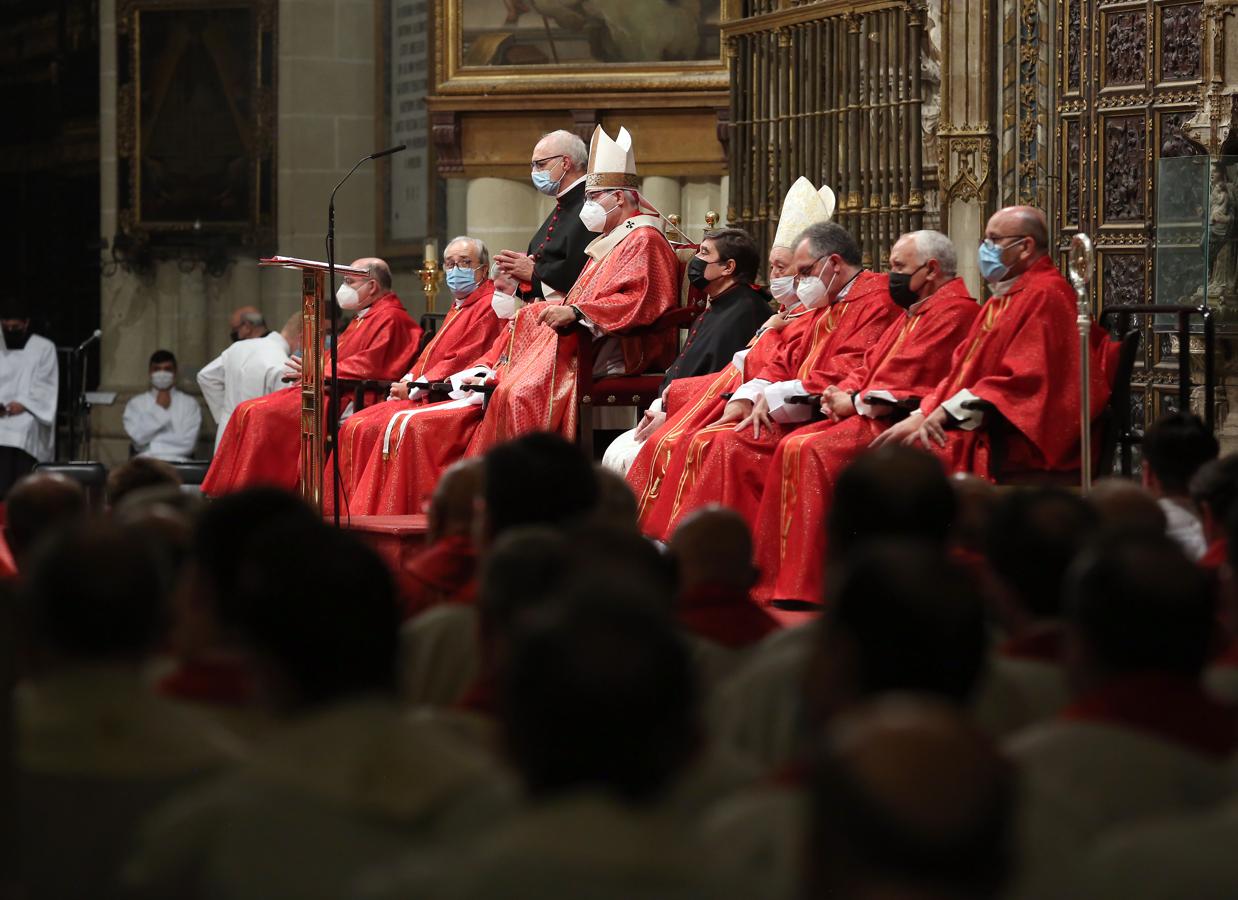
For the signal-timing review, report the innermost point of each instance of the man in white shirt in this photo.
(163, 422)
(251, 367)
(29, 382)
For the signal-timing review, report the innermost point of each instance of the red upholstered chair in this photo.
(1108, 427)
(637, 391)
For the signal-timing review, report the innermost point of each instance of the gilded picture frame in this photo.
(489, 47)
(196, 134)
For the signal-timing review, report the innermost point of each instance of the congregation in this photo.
(800, 633)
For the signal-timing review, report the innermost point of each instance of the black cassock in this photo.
(726, 326)
(558, 247)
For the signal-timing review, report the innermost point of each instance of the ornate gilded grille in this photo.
(831, 91)
(1130, 78)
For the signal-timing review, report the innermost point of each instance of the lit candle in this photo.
(430, 252)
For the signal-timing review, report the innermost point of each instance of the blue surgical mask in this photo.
(543, 182)
(992, 269)
(461, 280)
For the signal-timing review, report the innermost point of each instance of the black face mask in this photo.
(15, 338)
(696, 273)
(900, 288)
(235, 335)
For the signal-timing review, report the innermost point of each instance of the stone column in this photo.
(503, 213)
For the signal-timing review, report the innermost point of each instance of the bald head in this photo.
(452, 504)
(908, 797)
(713, 546)
(38, 506)
(571, 150)
(376, 282)
(1022, 235)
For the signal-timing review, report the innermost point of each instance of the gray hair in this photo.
(479, 247)
(254, 318)
(830, 238)
(571, 146)
(935, 245)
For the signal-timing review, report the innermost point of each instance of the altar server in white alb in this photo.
(29, 382)
(163, 422)
(252, 367)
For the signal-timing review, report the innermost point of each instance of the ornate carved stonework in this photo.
(1126, 39)
(1181, 47)
(1121, 279)
(1074, 41)
(1074, 185)
(1123, 189)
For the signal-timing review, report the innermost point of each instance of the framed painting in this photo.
(196, 121)
(534, 46)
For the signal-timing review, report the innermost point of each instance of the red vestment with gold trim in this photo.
(466, 333)
(262, 443)
(912, 356)
(1022, 356)
(722, 465)
(535, 369)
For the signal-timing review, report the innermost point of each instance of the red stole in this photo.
(441, 573)
(1170, 707)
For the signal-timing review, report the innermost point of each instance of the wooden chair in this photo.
(637, 391)
(1113, 421)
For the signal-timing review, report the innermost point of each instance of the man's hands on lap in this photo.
(399, 391)
(651, 422)
(558, 317)
(758, 417)
(837, 405)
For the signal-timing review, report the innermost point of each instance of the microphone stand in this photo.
(333, 425)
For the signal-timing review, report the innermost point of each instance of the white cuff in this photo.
(874, 412)
(969, 419)
(456, 393)
(750, 390)
(408, 379)
(588, 323)
(780, 410)
(656, 406)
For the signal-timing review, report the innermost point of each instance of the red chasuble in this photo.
(628, 287)
(722, 465)
(692, 403)
(262, 442)
(1022, 356)
(466, 333)
(912, 356)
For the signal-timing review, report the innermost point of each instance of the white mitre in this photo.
(804, 205)
(612, 164)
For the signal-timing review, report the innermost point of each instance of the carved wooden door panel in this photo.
(1128, 80)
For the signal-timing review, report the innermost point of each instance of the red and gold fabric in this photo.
(722, 465)
(261, 445)
(909, 360)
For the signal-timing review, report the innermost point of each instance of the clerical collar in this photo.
(560, 195)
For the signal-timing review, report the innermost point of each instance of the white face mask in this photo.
(347, 298)
(504, 304)
(813, 292)
(594, 214)
(782, 287)
(161, 381)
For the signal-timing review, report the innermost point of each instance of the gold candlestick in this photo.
(711, 219)
(431, 275)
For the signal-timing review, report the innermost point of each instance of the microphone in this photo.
(333, 424)
(396, 149)
(98, 333)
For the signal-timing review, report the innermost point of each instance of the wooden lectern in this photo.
(313, 406)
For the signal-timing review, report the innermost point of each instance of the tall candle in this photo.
(430, 252)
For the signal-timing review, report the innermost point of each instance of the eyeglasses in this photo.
(541, 163)
(1004, 237)
(807, 273)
